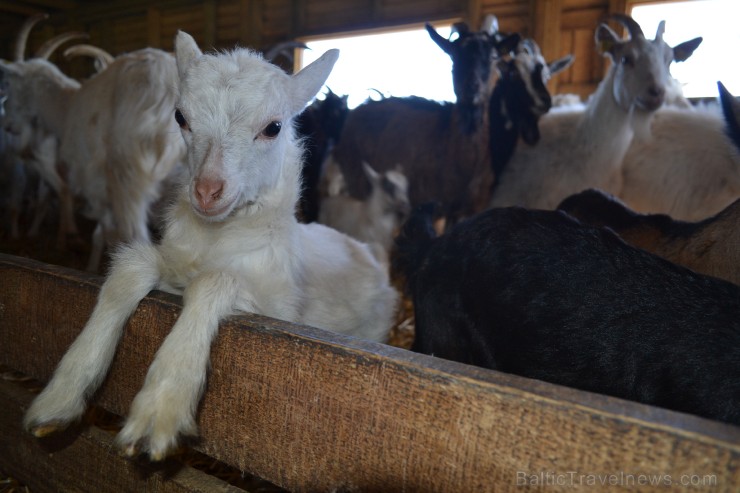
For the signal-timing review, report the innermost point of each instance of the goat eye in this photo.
(627, 60)
(181, 120)
(271, 130)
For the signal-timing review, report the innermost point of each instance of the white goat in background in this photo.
(116, 137)
(232, 244)
(686, 166)
(376, 219)
(35, 144)
(584, 148)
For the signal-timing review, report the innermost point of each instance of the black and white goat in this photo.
(443, 148)
(583, 147)
(538, 294)
(232, 244)
(321, 126)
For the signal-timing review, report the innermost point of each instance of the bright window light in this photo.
(716, 22)
(402, 63)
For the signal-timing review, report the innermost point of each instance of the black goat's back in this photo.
(537, 294)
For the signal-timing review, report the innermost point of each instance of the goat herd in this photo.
(548, 266)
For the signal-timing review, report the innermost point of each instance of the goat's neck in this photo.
(604, 117)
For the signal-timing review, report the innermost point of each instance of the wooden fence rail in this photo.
(311, 411)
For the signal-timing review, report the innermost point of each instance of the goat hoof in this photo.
(130, 450)
(42, 431)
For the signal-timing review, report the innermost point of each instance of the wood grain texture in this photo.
(314, 411)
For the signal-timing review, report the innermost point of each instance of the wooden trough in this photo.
(313, 411)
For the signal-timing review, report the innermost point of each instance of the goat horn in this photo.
(52, 44)
(632, 26)
(490, 24)
(102, 57)
(273, 52)
(661, 30)
(22, 38)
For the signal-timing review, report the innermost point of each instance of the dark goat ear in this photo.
(560, 64)
(506, 43)
(443, 43)
(684, 50)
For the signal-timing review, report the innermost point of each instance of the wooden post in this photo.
(547, 29)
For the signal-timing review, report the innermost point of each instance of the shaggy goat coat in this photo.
(538, 294)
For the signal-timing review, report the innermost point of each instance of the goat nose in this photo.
(208, 191)
(656, 91)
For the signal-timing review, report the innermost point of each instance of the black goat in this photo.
(320, 125)
(538, 294)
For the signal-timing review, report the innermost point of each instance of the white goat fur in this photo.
(374, 220)
(583, 147)
(116, 136)
(240, 250)
(686, 168)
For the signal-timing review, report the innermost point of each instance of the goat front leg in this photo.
(166, 405)
(134, 273)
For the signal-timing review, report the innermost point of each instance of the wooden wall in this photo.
(559, 26)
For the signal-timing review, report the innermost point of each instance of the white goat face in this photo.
(641, 66)
(235, 111)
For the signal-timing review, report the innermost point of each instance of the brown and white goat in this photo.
(116, 137)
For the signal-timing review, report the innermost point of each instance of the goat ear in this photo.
(506, 44)
(186, 50)
(8, 68)
(446, 45)
(684, 50)
(307, 83)
(607, 40)
(560, 64)
(370, 172)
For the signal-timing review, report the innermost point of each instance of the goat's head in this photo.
(24, 79)
(641, 66)
(471, 53)
(332, 111)
(519, 99)
(390, 189)
(523, 83)
(236, 113)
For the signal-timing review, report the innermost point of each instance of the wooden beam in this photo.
(54, 4)
(309, 410)
(85, 459)
(209, 24)
(18, 8)
(154, 27)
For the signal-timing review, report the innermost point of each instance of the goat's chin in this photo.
(216, 214)
(649, 104)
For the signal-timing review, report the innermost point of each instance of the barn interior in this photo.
(289, 407)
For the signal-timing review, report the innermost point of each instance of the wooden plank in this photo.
(84, 459)
(546, 29)
(310, 410)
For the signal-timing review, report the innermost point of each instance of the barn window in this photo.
(716, 22)
(399, 63)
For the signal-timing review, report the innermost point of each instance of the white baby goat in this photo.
(232, 244)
